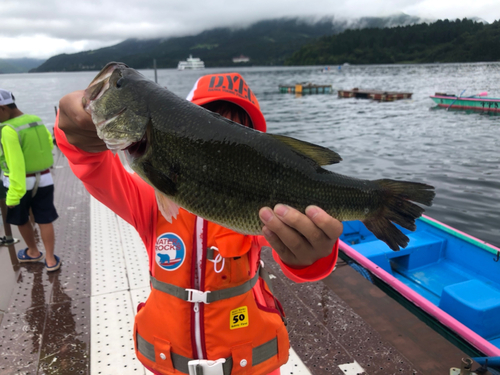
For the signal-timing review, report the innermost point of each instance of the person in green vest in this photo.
(26, 158)
(6, 240)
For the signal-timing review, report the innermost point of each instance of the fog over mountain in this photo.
(35, 29)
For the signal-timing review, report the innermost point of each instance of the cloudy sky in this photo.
(41, 29)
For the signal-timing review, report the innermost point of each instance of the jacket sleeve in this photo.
(14, 158)
(316, 271)
(105, 178)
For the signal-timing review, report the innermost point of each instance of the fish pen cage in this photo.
(382, 96)
(305, 89)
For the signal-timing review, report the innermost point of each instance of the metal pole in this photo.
(156, 76)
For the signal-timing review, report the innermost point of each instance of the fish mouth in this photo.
(99, 85)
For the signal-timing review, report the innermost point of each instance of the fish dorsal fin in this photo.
(321, 155)
(167, 207)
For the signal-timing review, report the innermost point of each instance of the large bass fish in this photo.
(225, 172)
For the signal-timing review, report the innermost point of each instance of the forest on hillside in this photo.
(267, 42)
(443, 41)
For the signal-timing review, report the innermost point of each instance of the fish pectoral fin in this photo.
(168, 208)
(320, 154)
(164, 186)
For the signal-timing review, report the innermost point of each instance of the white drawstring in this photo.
(217, 259)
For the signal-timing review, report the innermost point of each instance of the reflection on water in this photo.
(455, 151)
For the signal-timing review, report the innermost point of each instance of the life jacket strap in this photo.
(260, 354)
(22, 127)
(193, 295)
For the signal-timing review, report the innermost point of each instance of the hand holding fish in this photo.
(77, 124)
(298, 239)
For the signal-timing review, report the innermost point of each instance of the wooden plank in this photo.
(429, 352)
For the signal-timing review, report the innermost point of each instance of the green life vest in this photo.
(35, 143)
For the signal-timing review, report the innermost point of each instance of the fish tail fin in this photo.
(398, 207)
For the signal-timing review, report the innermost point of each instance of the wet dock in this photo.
(79, 320)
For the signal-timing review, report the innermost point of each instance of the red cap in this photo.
(232, 88)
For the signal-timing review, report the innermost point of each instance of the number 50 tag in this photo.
(238, 318)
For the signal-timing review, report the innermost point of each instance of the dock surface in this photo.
(79, 320)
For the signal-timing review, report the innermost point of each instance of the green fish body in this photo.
(225, 172)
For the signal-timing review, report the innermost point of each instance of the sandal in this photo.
(23, 257)
(56, 266)
(7, 242)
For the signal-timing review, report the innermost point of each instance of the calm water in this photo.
(457, 152)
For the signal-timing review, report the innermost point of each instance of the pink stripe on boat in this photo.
(455, 106)
(464, 98)
(462, 233)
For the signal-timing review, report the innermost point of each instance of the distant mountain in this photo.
(268, 42)
(22, 65)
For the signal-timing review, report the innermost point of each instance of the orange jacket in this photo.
(193, 254)
(246, 329)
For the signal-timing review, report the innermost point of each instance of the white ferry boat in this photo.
(191, 63)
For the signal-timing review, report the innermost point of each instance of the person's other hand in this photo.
(77, 124)
(300, 239)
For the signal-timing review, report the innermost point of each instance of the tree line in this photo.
(442, 41)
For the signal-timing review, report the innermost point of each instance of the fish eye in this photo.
(119, 83)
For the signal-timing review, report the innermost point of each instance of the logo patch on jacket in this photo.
(170, 251)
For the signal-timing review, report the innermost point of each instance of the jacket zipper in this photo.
(198, 317)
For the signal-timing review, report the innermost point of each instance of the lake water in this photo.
(455, 151)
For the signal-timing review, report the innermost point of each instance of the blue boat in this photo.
(447, 275)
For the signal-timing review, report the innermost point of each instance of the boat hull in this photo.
(452, 277)
(475, 103)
